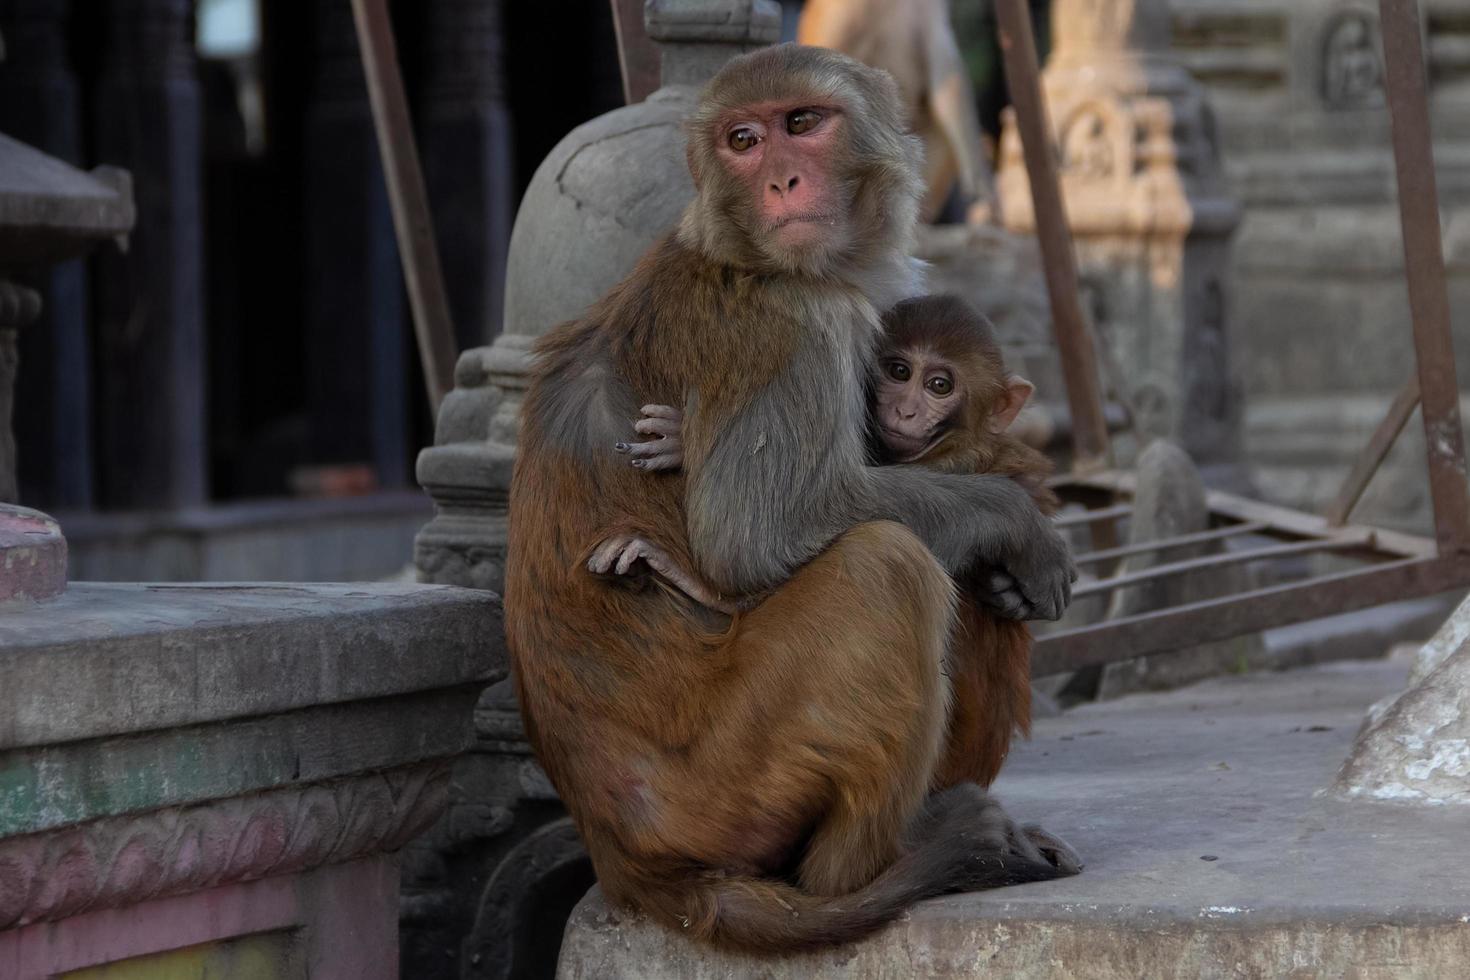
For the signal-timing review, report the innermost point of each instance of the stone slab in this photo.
(115, 659)
(50, 211)
(1210, 853)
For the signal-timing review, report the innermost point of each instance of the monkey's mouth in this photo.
(805, 218)
(905, 447)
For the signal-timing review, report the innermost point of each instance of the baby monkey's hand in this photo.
(666, 450)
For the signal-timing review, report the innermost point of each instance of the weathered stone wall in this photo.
(1316, 278)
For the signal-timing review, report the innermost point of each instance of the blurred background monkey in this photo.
(913, 41)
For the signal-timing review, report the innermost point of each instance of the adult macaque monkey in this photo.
(941, 398)
(914, 41)
(762, 781)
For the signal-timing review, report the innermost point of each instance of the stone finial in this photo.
(603, 195)
(698, 36)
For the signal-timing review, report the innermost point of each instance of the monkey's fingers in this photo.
(606, 553)
(635, 549)
(657, 427)
(661, 462)
(645, 450)
(663, 412)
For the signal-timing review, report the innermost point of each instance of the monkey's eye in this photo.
(801, 121)
(898, 370)
(940, 385)
(743, 139)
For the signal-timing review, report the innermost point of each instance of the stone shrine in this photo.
(1151, 217)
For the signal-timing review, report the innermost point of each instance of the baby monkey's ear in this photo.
(1017, 392)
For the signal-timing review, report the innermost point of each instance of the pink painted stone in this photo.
(32, 555)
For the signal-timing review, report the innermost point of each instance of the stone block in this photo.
(192, 765)
(1415, 747)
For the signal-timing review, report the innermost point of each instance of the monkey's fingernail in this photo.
(638, 463)
(621, 447)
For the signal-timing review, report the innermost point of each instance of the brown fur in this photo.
(702, 756)
(990, 657)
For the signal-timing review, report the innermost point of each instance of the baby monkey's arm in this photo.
(666, 450)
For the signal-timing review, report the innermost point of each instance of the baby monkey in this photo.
(944, 399)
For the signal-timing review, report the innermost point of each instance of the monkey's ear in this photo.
(1017, 392)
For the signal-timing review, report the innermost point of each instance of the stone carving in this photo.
(1352, 72)
(125, 860)
(1087, 145)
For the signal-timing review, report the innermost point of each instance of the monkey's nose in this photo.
(790, 186)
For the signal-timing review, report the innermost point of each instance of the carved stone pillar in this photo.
(151, 419)
(40, 105)
(468, 161)
(358, 365)
(1150, 213)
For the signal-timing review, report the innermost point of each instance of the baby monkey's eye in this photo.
(801, 121)
(743, 139)
(940, 385)
(898, 370)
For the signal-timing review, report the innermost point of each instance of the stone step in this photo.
(1210, 853)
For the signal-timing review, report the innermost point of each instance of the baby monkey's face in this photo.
(916, 399)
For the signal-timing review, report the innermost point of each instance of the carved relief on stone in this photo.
(1089, 144)
(124, 860)
(1352, 67)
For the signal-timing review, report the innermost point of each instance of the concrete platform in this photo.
(1210, 854)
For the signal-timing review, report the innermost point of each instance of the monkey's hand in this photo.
(666, 450)
(619, 554)
(1034, 584)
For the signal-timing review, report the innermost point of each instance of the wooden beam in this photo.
(412, 221)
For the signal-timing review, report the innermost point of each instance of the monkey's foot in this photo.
(984, 847)
(619, 555)
(1059, 853)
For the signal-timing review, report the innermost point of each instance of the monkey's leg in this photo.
(990, 674)
(862, 631)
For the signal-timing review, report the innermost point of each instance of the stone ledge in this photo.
(105, 660)
(1145, 787)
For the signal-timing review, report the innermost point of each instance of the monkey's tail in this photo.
(764, 915)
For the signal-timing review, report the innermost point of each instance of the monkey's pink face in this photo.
(783, 155)
(916, 395)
